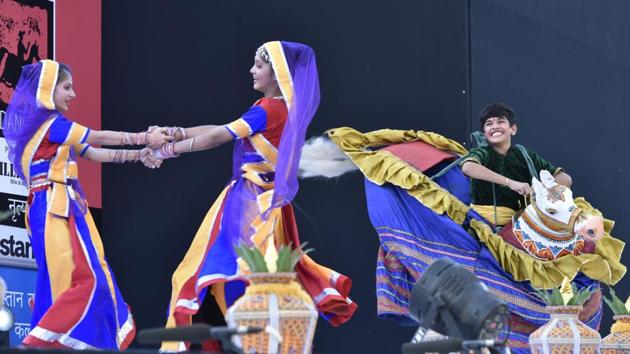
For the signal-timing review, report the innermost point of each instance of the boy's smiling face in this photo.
(498, 131)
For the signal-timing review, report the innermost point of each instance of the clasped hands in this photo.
(157, 137)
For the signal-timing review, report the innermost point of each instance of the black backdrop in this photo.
(400, 64)
(565, 68)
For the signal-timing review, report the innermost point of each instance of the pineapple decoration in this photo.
(274, 300)
(274, 261)
(566, 295)
(565, 333)
(618, 341)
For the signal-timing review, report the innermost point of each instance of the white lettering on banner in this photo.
(21, 329)
(15, 248)
(9, 180)
(18, 207)
(7, 170)
(14, 298)
(8, 299)
(16, 122)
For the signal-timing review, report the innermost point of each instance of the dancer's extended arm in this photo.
(155, 138)
(119, 156)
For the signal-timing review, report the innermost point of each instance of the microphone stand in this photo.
(492, 346)
(198, 333)
(455, 345)
(228, 345)
(4, 339)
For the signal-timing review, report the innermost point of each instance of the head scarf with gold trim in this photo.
(296, 72)
(31, 105)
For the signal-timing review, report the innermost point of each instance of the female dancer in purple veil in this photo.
(254, 208)
(77, 303)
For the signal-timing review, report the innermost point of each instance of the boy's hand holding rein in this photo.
(519, 187)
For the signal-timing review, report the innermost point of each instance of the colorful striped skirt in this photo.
(77, 302)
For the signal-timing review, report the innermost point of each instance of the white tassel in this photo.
(323, 158)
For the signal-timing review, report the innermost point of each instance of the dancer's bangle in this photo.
(125, 139)
(122, 156)
(134, 138)
(167, 151)
(172, 132)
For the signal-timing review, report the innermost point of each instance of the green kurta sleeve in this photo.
(478, 155)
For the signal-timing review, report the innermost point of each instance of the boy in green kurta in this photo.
(504, 165)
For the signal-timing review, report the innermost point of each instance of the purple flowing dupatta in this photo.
(245, 201)
(301, 92)
(300, 59)
(27, 112)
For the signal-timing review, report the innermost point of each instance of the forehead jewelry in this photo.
(264, 55)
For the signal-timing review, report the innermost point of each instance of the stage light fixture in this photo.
(451, 300)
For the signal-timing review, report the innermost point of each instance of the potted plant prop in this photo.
(274, 300)
(618, 341)
(565, 333)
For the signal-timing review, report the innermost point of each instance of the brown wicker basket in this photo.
(618, 341)
(278, 301)
(563, 333)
